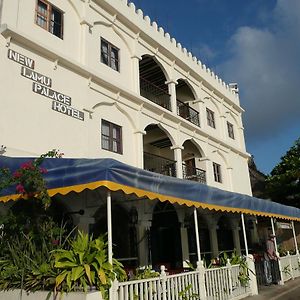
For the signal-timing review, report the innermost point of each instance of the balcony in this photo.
(160, 165)
(194, 174)
(188, 113)
(154, 93)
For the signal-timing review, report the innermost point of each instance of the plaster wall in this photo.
(29, 126)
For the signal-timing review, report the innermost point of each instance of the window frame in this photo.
(110, 137)
(230, 130)
(47, 17)
(217, 172)
(210, 117)
(110, 47)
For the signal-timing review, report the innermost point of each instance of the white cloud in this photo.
(266, 64)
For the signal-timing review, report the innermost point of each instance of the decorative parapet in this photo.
(186, 55)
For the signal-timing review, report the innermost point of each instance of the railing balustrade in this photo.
(160, 165)
(154, 93)
(188, 113)
(219, 284)
(285, 268)
(194, 174)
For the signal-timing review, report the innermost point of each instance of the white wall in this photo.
(29, 126)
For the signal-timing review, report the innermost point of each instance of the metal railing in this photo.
(154, 93)
(188, 113)
(194, 174)
(160, 165)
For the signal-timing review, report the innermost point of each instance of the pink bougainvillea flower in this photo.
(27, 166)
(43, 170)
(17, 174)
(20, 188)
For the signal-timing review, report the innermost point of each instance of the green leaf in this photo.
(77, 272)
(88, 272)
(102, 276)
(60, 278)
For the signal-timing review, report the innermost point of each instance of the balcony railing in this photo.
(154, 93)
(188, 113)
(194, 174)
(160, 165)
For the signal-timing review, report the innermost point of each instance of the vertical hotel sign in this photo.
(42, 85)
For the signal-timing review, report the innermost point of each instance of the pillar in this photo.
(85, 30)
(172, 91)
(143, 229)
(136, 73)
(236, 235)
(201, 109)
(139, 148)
(244, 234)
(213, 237)
(178, 157)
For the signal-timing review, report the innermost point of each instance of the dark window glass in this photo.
(49, 18)
(217, 172)
(109, 55)
(230, 130)
(111, 137)
(210, 115)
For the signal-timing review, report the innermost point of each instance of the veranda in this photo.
(108, 178)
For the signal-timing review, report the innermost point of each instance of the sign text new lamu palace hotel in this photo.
(42, 85)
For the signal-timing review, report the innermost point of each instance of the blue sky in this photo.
(255, 43)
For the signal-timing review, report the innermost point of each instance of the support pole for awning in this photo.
(109, 227)
(295, 239)
(273, 232)
(244, 233)
(197, 233)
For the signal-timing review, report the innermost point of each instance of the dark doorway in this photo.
(123, 233)
(165, 237)
(225, 238)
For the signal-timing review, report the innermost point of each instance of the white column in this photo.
(213, 236)
(273, 232)
(85, 30)
(244, 233)
(143, 228)
(172, 91)
(295, 239)
(136, 73)
(109, 239)
(109, 227)
(139, 148)
(201, 109)
(252, 275)
(234, 222)
(178, 157)
(229, 178)
(197, 233)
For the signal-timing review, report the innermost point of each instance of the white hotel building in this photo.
(98, 79)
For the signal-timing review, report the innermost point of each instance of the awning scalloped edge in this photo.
(152, 196)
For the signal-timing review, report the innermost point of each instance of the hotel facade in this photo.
(99, 79)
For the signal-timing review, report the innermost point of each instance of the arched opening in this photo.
(158, 157)
(165, 237)
(225, 236)
(153, 82)
(186, 108)
(193, 167)
(123, 233)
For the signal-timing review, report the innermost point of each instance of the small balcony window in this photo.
(217, 172)
(111, 137)
(110, 55)
(230, 130)
(49, 17)
(210, 118)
